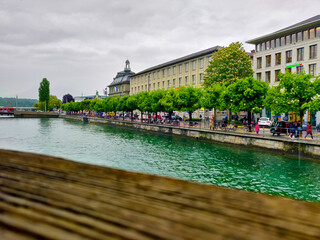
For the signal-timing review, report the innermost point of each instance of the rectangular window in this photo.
(277, 42)
(187, 67)
(259, 76)
(146, 87)
(313, 51)
(163, 73)
(267, 45)
(174, 70)
(180, 79)
(318, 32)
(300, 53)
(289, 56)
(180, 68)
(186, 81)
(312, 33)
(169, 84)
(312, 69)
(168, 71)
(135, 89)
(268, 60)
(263, 46)
(289, 70)
(149, 87)
(158, 85)
(162, 84)
(305, 35)
(272, 44)
(276, 72)
(259, 62)
(283, 41)
(174, 83)
(159, 74)
(299, 69)
(299, 36)
(288, 39)
(154, 86)
(278, 58)
(142, 88)
(268, 76)
(258, 48)
(193, 65)
(294, 38)
(201, 78)
(201, 63)
(193, 79)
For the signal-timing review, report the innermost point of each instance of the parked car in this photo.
(280, 127)
(264, 122)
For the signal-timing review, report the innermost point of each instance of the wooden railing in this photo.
(43, 197)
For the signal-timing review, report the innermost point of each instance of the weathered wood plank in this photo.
(51, 198)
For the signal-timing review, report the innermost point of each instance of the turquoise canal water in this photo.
(226, 166)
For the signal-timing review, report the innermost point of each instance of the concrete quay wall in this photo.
(288, 146)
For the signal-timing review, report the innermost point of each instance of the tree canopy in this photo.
(227, 65)
(67, 98)
(295, 93)
(44, 92)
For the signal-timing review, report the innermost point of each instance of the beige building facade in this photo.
(185, 71)
(291, 49)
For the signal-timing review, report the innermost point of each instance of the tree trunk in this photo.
(123, 115)
(249, 121)
(190, 116)
(141, 116)
(131, 116)
(214, 115)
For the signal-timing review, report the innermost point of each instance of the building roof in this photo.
(303, 25)
(123, 76)
(181, 59)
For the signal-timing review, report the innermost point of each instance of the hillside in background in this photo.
(20, 102)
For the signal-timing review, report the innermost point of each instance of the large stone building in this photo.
(120, 85)
(184, 71)
(292, 48)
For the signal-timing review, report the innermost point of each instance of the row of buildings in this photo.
(290, 49)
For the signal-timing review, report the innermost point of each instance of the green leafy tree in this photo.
(211, 97)
(227, 65)
(44, 92)
(188, 99)
(85, 105)
(122, 105)
(132, 104)
(156, 101)
(295, 93)
(144, 102)
(168, 101)
(54, 103)
(246, 94)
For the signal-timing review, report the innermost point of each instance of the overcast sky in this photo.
(80, 45)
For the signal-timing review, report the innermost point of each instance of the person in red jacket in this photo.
(309, 130)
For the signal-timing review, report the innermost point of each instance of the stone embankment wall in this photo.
(288, 146)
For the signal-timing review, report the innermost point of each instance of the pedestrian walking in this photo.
(257, 129)
(211, 124)
(292, 131)
(309, 130)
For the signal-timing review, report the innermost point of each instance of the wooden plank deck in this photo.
(43, 197)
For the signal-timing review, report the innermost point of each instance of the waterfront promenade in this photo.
(51, 198)
(299, 147)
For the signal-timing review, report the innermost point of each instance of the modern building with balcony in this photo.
(290, 49)
(185, 71)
